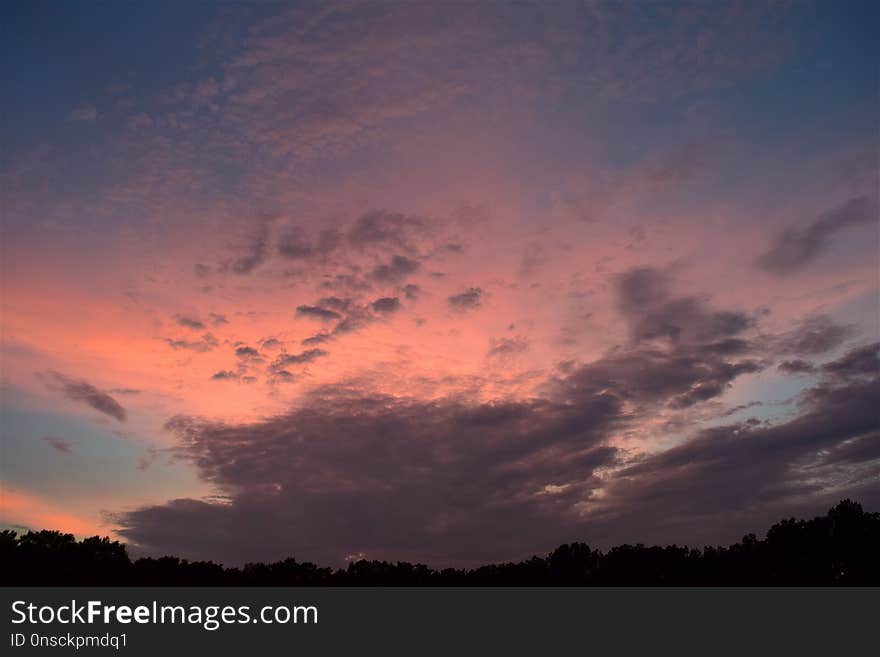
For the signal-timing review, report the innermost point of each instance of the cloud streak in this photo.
(81, 391)
(795, 248)
(59, 445)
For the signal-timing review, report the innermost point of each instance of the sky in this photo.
(438, 282)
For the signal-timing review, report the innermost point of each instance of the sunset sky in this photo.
(442, 282)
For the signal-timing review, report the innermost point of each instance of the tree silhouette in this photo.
(841, 548)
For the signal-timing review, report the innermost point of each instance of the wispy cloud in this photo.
(796, 247)
(80, 390)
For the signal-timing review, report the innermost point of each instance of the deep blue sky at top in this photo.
(59, 55)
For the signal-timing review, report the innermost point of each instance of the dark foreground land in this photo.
(841, 548)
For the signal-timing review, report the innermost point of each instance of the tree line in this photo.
(841, 548)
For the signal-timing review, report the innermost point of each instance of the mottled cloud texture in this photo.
(443, 282)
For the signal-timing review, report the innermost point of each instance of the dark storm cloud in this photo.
(396, 270)
(645, 300)
(386, 305)
(59, 445)
(207, 342)
(447, 481)
(349, 473)
(470, 299)
(796, 247)
(318, 312)
(812, 336)
(189, 322)
(82, 391)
